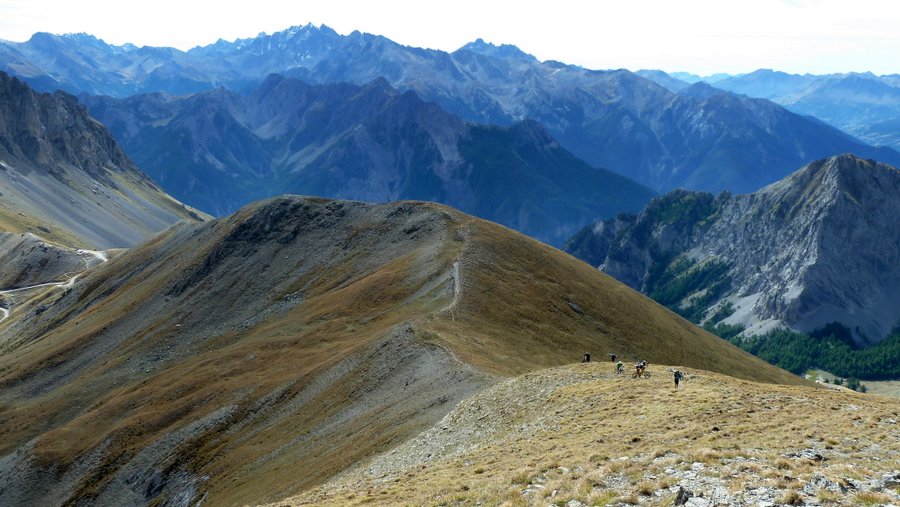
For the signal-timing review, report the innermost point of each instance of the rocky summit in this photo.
(818, 247)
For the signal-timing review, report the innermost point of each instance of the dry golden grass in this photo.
(871, 498)
(344, 310)
(607, 414)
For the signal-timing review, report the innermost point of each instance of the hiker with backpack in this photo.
(678, 377)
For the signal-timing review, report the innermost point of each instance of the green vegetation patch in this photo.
(683, 279)
(830, 349)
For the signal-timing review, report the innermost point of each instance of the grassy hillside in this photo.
(581, 434)
(530, 306)
(246, 359)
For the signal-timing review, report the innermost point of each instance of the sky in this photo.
(698, 36)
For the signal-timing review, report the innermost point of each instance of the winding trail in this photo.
(98, 254)
(457, 289)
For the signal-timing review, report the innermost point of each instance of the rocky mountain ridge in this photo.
(64, 178)
(612, 119)
(818, 247)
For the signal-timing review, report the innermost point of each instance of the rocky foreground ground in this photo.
(579, 435)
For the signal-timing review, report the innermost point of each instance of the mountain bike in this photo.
(640, 373)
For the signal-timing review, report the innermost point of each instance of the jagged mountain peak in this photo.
(499, 51)
(82, 39)
(82, 36)
(53, 129)
(611, 119)
(851, 165)
(840, 173)
(292, 37)
(300, 33)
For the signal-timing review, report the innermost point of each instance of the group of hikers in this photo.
(640, 368)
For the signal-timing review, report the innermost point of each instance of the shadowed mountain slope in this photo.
(220, 150)
(249, 358)
(63, 177)
(818, 247)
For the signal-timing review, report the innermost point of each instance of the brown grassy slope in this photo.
(277, 321)
(581, 433)
(525, 306)
(273, 349)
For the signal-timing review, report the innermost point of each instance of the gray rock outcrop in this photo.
(818, 247)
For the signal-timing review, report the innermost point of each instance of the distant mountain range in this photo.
(864, 105)
(64, 178)
(219, 150)
(820, 246)
(613, 119)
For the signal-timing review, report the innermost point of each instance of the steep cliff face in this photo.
(63, 177)
(820, 246)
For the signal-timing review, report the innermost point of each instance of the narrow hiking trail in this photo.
(99, 255)
(456, 287)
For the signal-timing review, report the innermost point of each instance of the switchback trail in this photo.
(99, 255)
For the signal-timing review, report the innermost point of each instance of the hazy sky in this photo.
(701, 36)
